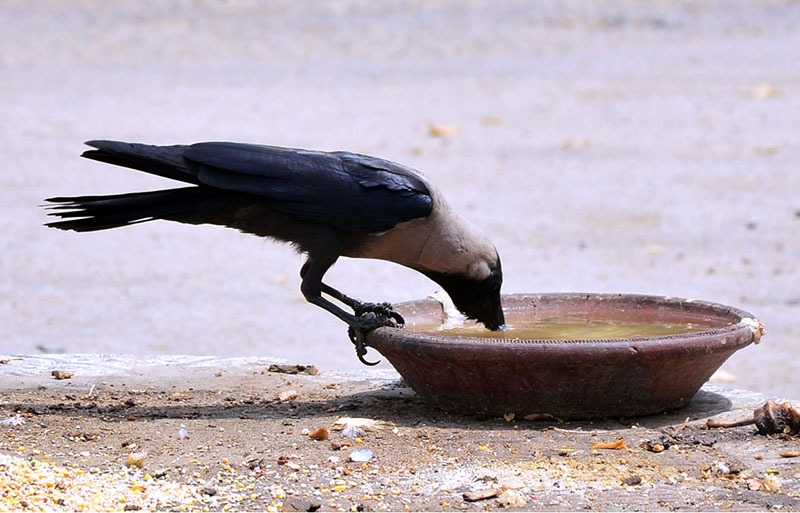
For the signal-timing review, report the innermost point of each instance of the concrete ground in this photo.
(193, 434)
(646, 147)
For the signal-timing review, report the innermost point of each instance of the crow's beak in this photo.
(490, 312)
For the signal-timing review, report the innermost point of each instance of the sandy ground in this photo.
(231, 435)
(606, 146)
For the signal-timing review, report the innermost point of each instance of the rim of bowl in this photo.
(736, 316)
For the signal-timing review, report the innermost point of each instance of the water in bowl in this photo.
(563, 330)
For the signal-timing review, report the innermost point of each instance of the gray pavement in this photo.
(607, 146)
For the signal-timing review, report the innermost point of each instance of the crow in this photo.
(326, 204)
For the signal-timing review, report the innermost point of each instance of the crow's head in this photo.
(476, 292)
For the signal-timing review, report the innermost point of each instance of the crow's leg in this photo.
(312, 287)
(359, 307)
(362, 307)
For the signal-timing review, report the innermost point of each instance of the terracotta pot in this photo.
(568, 379)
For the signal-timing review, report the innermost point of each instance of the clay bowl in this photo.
(567, 379)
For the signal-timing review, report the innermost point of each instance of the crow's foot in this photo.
(368, 320)
(380, 310)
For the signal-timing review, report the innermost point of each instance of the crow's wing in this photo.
(353, 192)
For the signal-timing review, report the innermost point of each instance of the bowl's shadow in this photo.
(393, 402)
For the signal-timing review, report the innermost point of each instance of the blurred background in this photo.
(607, 146)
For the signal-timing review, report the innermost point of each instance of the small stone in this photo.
(208, 491)
(361, 455)
(511, 499)
(61, 374)
(256, 463)
(293, 369)
(441, 130)
(136, 459)
(754, 484)
(632, 481)
(16, 420)
(288, 395)
(770, 484)
(283, 459)
(353, 432)
(480, 495)
(298, 504)
(657, 447)
(338, 446)
(319, 434)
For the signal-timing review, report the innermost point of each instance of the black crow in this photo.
(326, 204)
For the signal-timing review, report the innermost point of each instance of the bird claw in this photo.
(380, 310)
(397, 318)
(357, 337)
(369, 319)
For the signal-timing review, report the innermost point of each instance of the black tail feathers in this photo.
(166, 161)
(92, 213)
